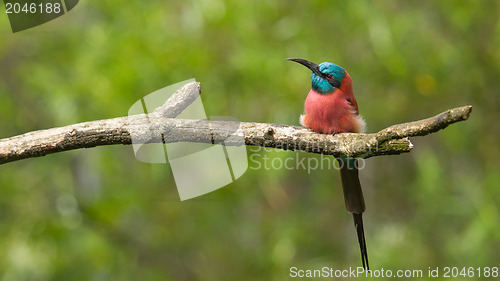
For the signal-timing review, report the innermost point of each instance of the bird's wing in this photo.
(354, 105)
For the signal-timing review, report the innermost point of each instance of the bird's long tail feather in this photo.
(358, 223)
(354, 201)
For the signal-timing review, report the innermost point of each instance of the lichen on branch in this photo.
(162, 126)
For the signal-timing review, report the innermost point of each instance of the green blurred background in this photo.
(99, 214)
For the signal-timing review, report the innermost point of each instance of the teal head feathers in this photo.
(326, 77)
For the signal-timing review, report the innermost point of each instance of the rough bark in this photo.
(161, 126)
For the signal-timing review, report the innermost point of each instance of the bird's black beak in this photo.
(315, 68)
(311, 65)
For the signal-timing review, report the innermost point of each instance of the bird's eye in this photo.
(329, 76)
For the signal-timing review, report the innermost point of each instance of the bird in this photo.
(331, 108)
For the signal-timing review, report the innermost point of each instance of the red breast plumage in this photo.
(335, 112)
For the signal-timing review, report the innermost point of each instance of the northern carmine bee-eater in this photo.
(331, 108)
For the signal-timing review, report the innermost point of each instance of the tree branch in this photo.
(160, 126)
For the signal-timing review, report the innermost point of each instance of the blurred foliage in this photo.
(99, 214)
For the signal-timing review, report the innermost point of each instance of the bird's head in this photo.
(326, 77)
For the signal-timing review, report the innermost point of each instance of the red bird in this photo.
(331, 108)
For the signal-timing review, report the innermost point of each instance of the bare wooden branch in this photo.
(426, 126)
(159, 127)
(179, 100)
